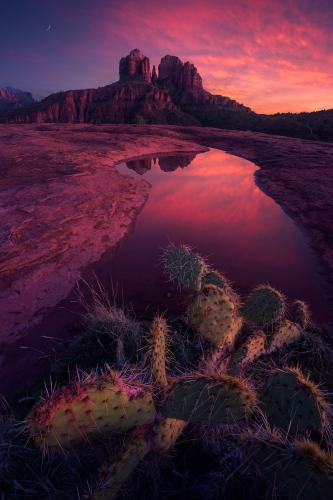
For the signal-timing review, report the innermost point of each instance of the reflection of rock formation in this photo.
(140, 166)
(171, 163)
(166, 163)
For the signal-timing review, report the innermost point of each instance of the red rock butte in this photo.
(174, 95)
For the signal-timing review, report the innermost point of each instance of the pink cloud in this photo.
(273, 56)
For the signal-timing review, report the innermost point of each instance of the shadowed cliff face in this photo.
(177, 76)
(14, 99)
(134, 66)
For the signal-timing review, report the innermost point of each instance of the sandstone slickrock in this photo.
(62, 206)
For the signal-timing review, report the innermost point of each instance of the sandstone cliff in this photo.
(11, 98)
(174, 96)
(135, 65)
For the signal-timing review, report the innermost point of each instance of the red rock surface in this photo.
(62, 205)
(173, 74)
(136, 66)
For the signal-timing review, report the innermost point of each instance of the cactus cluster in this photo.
(240, 380)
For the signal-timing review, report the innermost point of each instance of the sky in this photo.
(274, 56)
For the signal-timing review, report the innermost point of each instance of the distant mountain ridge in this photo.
(11, 98)
(173, 94)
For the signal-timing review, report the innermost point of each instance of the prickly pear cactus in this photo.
(101, 403)
(214, 278)
(286, 333)
(300, 313)
(252, 349)
(159, 330)
(298, 469)
(219, 400)
(264, 306)
(183, 266)
(293, 404)
(214, 315)
(112, 476)
(166, 433)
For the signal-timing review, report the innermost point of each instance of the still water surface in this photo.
(211, 202)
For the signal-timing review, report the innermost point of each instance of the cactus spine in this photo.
(158, 341)
(102, 403)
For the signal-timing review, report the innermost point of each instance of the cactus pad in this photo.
(159, 330)
(300, 313)
(286, 333)
(113, 476)
(167, 432)
(294, 404)
(252, 349)
(82, 409)
(183, 266)
(220, 400)
(214, 278)
(264, 305)
(213, 314)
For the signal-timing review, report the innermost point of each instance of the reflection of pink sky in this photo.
(214, 205)
(216, 189)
